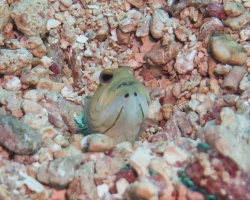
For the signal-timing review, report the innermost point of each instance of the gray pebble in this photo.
(83, 184)
(59, 172)
(18, 136)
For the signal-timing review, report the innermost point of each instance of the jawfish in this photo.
(118, 107)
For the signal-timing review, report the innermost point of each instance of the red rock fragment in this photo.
(147, 75)
(55, 68)
(220, 176)
(127, 174)
(159, 137)
(215, 9)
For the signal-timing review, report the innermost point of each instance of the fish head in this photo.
(119, 106)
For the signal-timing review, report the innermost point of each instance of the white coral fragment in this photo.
(185, 61)
(158, 23)
(52, 23)
(174, 154)
(81, 39)
(141, 159)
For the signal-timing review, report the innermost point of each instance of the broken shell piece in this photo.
(182, 33)
(174, 154)
(13, 44)
(143, 27)
(226, 50)
(177, 89)
(209, 26)
(60, 17)
(100, 143)
(35, 45)
(46, 61)
(140, 160)
(68, 92)
(222, 69)
(103, 32)
(154, 109)
(11, 83)
(215, 87)
(226, 142)
(36, 121)
(48, 132)
(136, 3)
(238, 124)
(129, 23)
(141, 190)
(232, 79)
(47, 84)
(160, 54)
(52, 23)
(39, 52)
(206, 104)
(121, 185)
(167, 111)
(30, 106)
(245, 34)
(81, 38)
(26, 42)
(61, 140)
(66, 3)
(160, 166)
(123, 151)
(185, 61)
(4, 192)
(158, 23)
(122, 38)
(244, 84)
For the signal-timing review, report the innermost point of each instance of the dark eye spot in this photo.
(105, 77)
(135, 93)
(126, 95)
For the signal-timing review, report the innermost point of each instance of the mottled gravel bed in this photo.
(193, 56)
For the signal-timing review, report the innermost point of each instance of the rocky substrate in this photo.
(192, 55)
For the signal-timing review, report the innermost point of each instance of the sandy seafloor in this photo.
(193, 56)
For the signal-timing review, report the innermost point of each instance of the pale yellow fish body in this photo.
(118, 107)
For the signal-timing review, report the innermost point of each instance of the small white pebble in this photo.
(11, 83)
(52, 23)
(47, 61)
(102, 189)
(88, 53)
(81, 38)
(154, 109)
(67, 91)
(192, 37)
(121, 185)
(174, 154)
(32, 183)
(141, 159)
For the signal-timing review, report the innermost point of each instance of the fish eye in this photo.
(106, 76)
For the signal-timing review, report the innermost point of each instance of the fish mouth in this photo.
(117, 117)
(125, 84)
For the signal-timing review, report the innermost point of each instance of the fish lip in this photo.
(125, 84)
